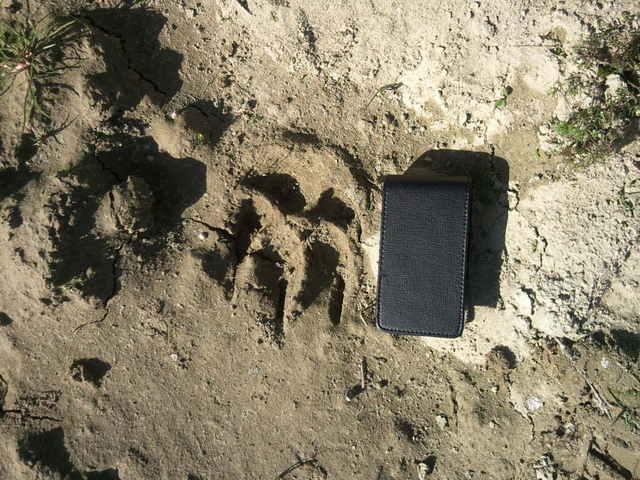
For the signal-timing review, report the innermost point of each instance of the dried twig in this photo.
(301, 462)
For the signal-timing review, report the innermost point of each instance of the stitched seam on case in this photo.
(464, 256)
(382, 244)
(380, 269)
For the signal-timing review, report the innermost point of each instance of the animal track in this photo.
(282, 189)
(332, 209)
(132, 195)
(322, 263)
(287, 252)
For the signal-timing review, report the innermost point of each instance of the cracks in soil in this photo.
(22, 414)
(114, 289)
(129, 62)
(220, 231)
(544, 242)
(602, 284)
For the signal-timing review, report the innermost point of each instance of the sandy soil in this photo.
(188, 269)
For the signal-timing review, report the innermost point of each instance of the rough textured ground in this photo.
(188, 269)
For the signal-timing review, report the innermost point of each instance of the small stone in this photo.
(442, 421)
(174, 357)
(604, 363)
(203, 235)
(523, 303)
(615, 85)
(569, 428)
(423, 471)
(534, 403)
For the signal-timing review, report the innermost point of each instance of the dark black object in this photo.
(423, 255)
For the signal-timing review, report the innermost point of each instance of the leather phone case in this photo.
(423, 255)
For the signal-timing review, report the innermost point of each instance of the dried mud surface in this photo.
(189, 268)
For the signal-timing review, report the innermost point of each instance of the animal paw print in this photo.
(292, 245)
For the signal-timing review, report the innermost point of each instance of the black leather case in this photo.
(423, 255)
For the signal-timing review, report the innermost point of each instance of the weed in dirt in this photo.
(391, 87)
(35, 51)
(199, 139)
(629, 403)
(603, 91)
(502, 101)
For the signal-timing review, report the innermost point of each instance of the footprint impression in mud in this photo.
(290, 252)
(128, 198)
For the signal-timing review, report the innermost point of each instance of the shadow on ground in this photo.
(88, 259)
(47, 449)
(136, 63)
(12, 181)
(489, 211)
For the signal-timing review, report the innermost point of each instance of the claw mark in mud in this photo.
(247, 222)
(322, 262)
(90, 370)
(133, 54)
(271, 285)
(336, 300)
(282, 189)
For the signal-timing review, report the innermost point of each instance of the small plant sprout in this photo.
(391, 87)
(502, 101)
(602, 92)
(200, 139)
(32, 53)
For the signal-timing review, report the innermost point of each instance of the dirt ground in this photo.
(189, 268)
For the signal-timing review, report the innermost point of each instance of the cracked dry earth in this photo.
(188, 269)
